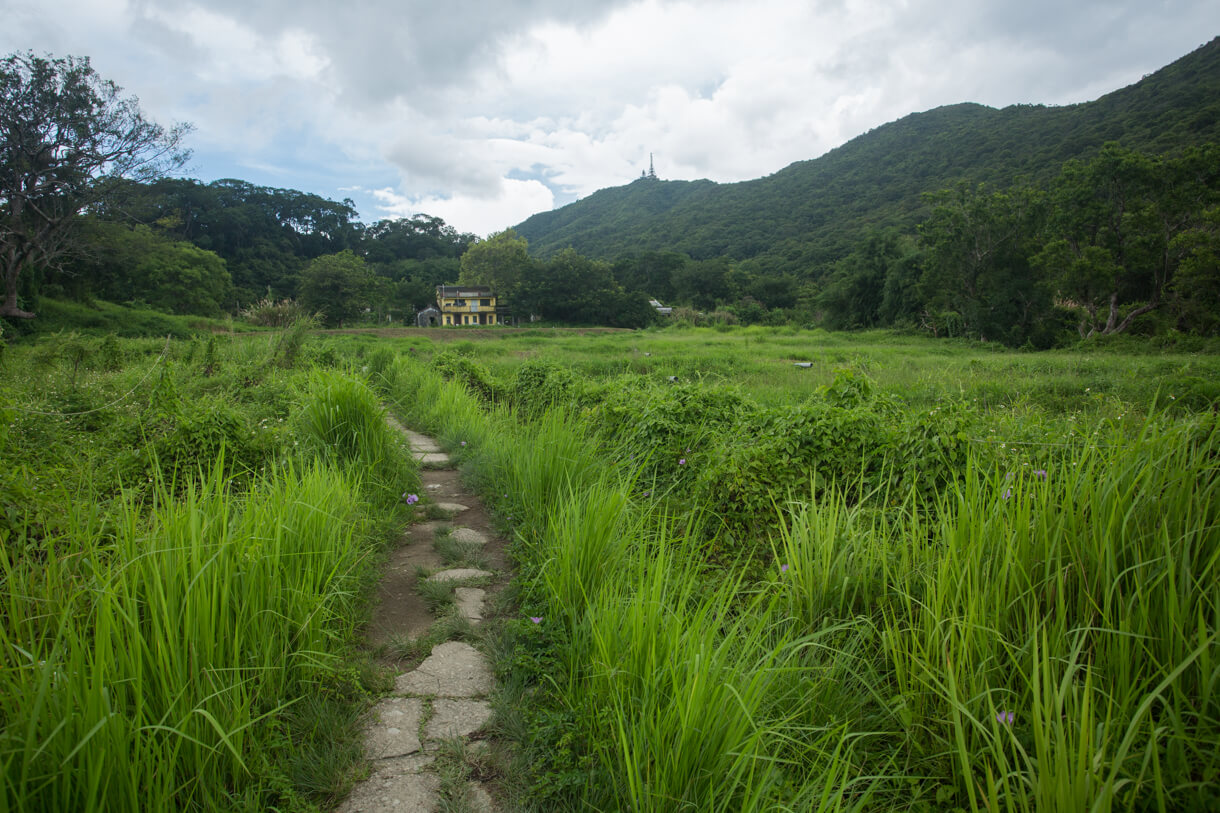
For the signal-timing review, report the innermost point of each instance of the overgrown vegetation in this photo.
(187, 533)
(947, 602)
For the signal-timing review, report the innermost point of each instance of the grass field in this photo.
(915, 575)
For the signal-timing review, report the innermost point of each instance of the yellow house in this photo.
(466, 305)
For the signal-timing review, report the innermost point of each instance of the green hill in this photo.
(813, 212)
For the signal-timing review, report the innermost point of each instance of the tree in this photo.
(68, 136)
(977, 273)
(1123, 222)
(139, 264)
(502, 261)
(337, 285)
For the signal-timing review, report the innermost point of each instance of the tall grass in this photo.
(180, 642)
(139, 668)
(342, 422)
(1027, 640)
(1050, 638)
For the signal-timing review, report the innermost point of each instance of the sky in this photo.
(483, 112)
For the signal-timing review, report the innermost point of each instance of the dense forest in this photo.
(1029, 225)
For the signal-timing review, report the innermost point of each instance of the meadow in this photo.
(913, 575)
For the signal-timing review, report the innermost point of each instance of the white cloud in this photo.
(478, 110)
(516, 200)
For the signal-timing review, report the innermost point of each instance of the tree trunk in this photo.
(9, 308)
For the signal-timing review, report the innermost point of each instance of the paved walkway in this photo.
(438, 708)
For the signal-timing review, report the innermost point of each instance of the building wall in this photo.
(457, 311)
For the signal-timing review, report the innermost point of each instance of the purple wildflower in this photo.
(1005, 717)
(682, 462)
(647, 493)
(412, 498)
(463, 443)
(1040, 474)
(537, 619)
(783, 568)
(1007, 493)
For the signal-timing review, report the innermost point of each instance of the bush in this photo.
(467, 371)
(269, 313)
(540, 384)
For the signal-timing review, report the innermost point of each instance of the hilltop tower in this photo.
(652, 174)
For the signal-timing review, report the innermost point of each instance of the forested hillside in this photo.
(814, 212)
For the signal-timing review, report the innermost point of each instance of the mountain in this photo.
(813, 212)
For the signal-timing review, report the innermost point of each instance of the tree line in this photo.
(89, 208)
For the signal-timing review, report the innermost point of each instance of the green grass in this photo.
(1035, 632)
(186, 547)
(1004, 596)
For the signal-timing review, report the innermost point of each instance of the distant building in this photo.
(466, 305)
(659, 308)
(428, 317)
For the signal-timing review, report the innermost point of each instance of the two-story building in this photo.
(466, 305)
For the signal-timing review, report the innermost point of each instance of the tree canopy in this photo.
(68, 135)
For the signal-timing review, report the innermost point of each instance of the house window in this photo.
(485, 302)
(460, 303)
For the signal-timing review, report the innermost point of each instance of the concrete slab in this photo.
(396, 732)
(421, 443)
(452, 507)
(456, 718)
(454, 669)
(434, 459)
(478, 799)
(402, 792)
(458, 574)
(468, 535)
(470, 602)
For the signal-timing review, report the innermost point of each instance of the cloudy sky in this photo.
(483, 112)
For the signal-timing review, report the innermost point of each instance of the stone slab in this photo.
(421, 443)
(394, 790)
(437, 459)
(478, 799)
(458, 574)
(452, 507)
(468, 535)
(396, 732)
(456, 718)
(469, 602)
(454, 669)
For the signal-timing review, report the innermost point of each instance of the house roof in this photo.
(464, 291)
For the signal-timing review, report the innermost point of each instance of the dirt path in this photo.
(424, 738)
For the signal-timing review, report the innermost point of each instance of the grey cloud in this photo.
(382, 50)
(441, 165)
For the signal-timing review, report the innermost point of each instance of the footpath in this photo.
(423, 737)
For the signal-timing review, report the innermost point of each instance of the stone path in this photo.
(438, 708)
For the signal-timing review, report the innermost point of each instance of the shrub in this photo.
(269, 313)
(477, 378)
(540, 384)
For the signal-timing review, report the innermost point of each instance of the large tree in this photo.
(66, 137)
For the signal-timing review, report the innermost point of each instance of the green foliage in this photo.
(791, 453)
(338, 286)
(455, 366)
(70, 138)
(269, 313)
(539, 385)
(343, 423)
(662, 424)
(501, 261)
(807, 215)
